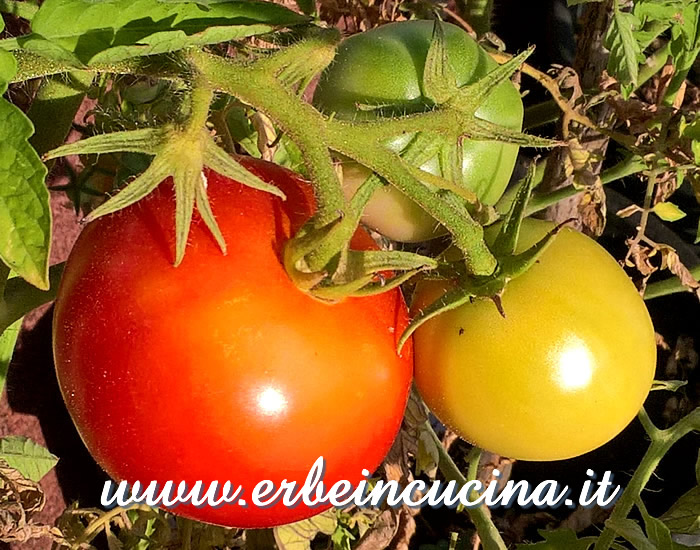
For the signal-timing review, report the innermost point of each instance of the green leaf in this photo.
(119, 29)
(25, 216)
(625, 52)
(668, 212)
(658, 10)
(668, 385)
(31, 459)
(684, 515)
(39, 45)
(692, 131)
(8, 69)
(8, 339)
(631, 532)
(658, 533)
(298, 536)
(559, 539)
(577, 2)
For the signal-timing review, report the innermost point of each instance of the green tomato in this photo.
(566, 369)
(384, 67)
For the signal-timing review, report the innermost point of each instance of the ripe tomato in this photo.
(565, 371)
(384, 66)
(220, 369)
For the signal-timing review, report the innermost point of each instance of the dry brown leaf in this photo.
(639, 257)
(20, 498)
(671, 261)
(382, 532)
(592, 210)
(628, 211)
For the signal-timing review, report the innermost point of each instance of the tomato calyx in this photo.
(180, 151)
(510, 265)
(350, 272)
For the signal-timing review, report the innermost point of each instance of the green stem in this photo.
(299, 120)
(478, 14)
(490, 537)
(668, 286)
(25, 10)
(20, 297)
(197, 108)
(661, 442)
(630, 165)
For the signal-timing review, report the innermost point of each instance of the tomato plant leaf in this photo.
(8, 68)
(30, 459)
(25, 216)
(298, 536)
(39, 45)
(117, 30)
(684, 515)
(657, 531)
(685, 46)
(668, 212)
(632, 532)
(668, 385)
(8, 340)
(625, 52)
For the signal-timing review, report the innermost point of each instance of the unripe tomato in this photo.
(563, 373)
(384, 66)
(221, 369)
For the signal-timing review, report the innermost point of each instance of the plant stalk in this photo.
(488, 533)
(661, 442)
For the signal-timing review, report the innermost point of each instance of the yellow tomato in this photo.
(563, 373)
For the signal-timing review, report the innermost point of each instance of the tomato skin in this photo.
(384, 66)
(566, 370)
(220, 369)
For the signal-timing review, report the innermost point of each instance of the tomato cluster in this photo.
(221, 369)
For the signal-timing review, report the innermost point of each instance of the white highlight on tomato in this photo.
(271, 401)
(574, 365)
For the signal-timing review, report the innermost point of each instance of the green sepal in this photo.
(507, 238)
(158, 170)
(363, 271)
(484, 130)
(298, 64)
(452, 299)
(439, 78)
(134, 141)
(472, 96)
(186, 178)
(304, 242)
(180, 154)
(222, 163)
(514, 266)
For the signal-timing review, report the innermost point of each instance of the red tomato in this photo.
(220, 369)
